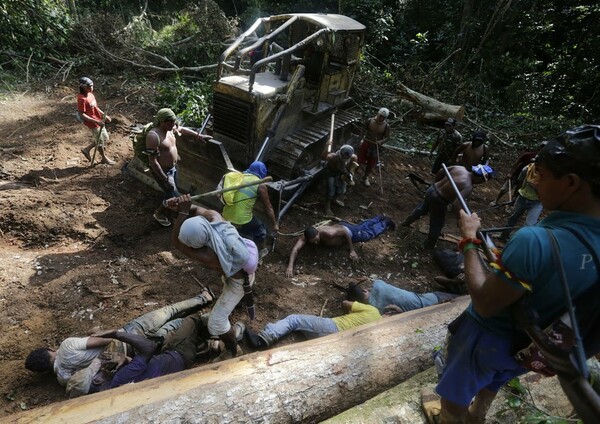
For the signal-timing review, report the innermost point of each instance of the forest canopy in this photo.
(528, 63)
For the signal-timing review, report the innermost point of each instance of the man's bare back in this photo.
(330, 235)
(462, 178)
(333, 235)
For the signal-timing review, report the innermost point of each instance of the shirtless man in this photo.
(440, 194)
(473, 152)
(161, 146)
(340, 234)
(378, 132)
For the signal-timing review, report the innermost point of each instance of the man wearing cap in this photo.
(441, 194)
(216, 245)
(339, 171)
(342, 233)
(472, 152)
(93, 118)
(240, 211)
(447, 141)
(377, 133)
(161, 146)
(480, 357)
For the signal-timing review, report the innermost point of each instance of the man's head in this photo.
(355, 294)
(478, 138)
(576, 152)
(346, 152)
(382, 114)
(40, 360)
(311, 234)
(257, 168)
(85, 85)
(195, 232)
(166, 118)
(450, 125)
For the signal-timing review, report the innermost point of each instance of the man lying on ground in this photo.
(340, 234)
(358, 312)
(76, 353)
(178, 353)
(391, 299)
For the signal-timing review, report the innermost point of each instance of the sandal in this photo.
(161, 219)
(431, 405)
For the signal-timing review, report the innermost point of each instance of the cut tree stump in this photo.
(432, 110)
(304, 382)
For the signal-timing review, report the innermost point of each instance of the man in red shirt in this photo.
(94, 119)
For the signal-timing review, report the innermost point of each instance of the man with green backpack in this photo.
(161, 148)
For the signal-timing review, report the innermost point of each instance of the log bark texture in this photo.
(432, 109)
(303, 382)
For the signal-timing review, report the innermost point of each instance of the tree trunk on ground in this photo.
(306, 382)
(432, 109)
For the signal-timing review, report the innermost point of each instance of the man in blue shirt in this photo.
(480, 357)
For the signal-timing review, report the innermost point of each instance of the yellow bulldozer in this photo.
(276, 89)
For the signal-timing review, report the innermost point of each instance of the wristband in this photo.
(184, 213)
(469, 246)
(465, 241)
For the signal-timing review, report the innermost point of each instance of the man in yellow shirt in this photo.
(240, 211)
(357, 312)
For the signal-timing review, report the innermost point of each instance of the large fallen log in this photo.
(304, 382)
(431, 109)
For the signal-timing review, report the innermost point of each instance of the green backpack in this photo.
(138, 137)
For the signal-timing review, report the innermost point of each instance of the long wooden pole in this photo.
(237, 187)
(331, 129)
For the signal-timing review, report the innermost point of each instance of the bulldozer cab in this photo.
(276, 87)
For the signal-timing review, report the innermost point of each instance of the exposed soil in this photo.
(79, 247)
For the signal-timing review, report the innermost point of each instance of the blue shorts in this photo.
(476, 359)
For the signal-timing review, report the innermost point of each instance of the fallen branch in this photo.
(103, 295)
(323, 308)
(157, 68)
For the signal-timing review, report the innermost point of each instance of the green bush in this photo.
(190, 100)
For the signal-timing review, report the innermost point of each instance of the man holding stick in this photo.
(93, 118)
(203, 235)
(484, 339)
(339, 171)
(377, 133)
(161, 146)
(239, 206)
(440, 194)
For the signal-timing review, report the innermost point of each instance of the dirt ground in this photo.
(79, 247)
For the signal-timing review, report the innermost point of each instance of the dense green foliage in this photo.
(527, 63)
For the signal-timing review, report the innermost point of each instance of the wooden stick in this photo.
(237, 187)
(331, 133)
(104, 295)
(323, 308)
